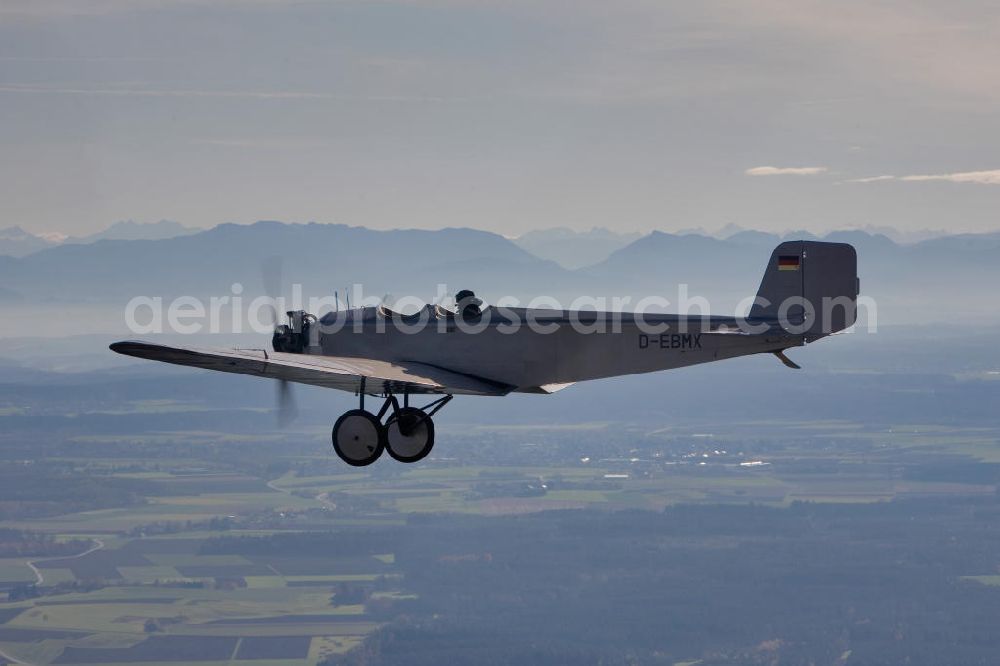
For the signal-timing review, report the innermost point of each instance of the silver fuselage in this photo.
(537, 350)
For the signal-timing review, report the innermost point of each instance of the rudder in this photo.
(809, 288)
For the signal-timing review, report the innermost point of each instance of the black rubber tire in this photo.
(424, 429)
(376, 449)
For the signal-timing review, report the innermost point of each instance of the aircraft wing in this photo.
(347, 374)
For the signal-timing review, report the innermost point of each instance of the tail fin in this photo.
(809, 288)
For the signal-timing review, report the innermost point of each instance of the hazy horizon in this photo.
(899, 235)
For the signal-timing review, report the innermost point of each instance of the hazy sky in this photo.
(505, 116)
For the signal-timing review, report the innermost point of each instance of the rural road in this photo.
(13, 660)
(322, 498)
(40, 578)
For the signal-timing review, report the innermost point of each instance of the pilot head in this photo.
(468, 304)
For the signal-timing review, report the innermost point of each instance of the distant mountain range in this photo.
(130, 230)
(574, 249)
(321, 257)
(16, 242)
(947, 279)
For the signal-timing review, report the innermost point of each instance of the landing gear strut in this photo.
(360, 437)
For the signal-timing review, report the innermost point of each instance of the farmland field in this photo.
(205, 547)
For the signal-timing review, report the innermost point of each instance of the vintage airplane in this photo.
(808, 291)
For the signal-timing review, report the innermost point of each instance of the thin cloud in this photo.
(991, 177)
(236, 94)
(83, 59)
(871, 179)
(265, 143)
(785, 171)
(57, 9)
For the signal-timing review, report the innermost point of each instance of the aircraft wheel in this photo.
(358, 438)
(409, 435)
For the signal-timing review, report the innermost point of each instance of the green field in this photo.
(156, 585)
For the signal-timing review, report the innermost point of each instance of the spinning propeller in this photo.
(284, 397)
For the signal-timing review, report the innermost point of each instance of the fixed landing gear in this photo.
(409, 435)
(359, 437)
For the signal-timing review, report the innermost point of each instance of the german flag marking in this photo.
(788, 262)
